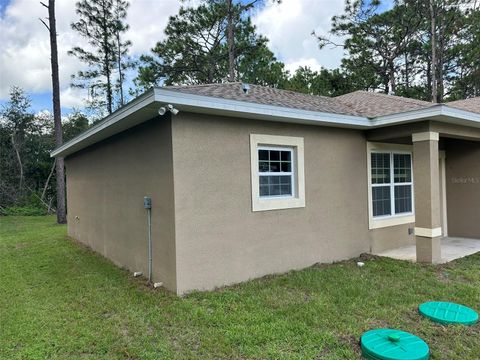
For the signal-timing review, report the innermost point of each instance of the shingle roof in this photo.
(358, 103)
(472, 104)
(372, 104)
(268, 96)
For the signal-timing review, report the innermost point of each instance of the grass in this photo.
(60, 300)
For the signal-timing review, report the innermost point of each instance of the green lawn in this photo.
(60, 300)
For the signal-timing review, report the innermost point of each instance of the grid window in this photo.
(392, 185)
(275, 168)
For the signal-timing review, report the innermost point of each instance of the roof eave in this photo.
(145, 106)
(251, 110)
(110, 125)
(439, 112)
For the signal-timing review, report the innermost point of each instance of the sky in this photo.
(25, 51)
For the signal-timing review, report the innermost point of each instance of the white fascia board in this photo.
(426, 114)
(212, 105)
(85, 138)
(460, 114)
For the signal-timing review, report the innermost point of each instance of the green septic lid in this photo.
(448, 313)
(389, 344)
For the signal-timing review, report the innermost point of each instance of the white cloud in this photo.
(289, 27)
(25, 49)
(73, 97)
(25, 55)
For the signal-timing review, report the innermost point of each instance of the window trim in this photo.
(296, 145)
(376, 222)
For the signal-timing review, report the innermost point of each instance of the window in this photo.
(391, 185)
(277, 172)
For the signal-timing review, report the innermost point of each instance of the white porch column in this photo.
(428, 231)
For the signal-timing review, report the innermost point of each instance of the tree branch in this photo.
(44, 23)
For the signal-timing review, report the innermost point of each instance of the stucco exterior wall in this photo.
(106, 184)
(219, 240)
(463, 188)
(391, 237)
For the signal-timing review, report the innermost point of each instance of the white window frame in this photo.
(274, 142)
(291, 173)
(393, 219)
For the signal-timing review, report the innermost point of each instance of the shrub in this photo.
(23, 211)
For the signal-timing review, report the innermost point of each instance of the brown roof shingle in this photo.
(268, 96)
(358, 103)
(371, 104)
(472, 104)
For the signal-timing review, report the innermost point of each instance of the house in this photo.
(246, 180)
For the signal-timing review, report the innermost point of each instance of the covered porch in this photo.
(446, 190)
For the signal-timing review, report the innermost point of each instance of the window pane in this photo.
(274, 155)
(403, 199)
(402, 168)
(285, 189)
(274, 180)
(285, 179)
(381, 200)
(274, 166)
(264, 190)
(286, 167)
(286, 156)
(276, 185)
(263, 166)
(380, 168)
(262, 154)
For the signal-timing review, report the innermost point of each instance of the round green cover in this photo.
(448, 313)
(390, 344)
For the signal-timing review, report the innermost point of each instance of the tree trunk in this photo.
(106, 59)
(441, 47)
(20, 164)
(434, 51)
(57, 115)
(230, 41)
(393, 85)
(119, 64)
(45, 187)
(407, 75)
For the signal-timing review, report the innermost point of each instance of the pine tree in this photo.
(102, 23)
(196, 51)
(57, 115)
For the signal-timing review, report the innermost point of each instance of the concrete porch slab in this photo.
(452, 248)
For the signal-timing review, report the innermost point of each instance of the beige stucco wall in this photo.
(463, 188)
(106, 184)
(391, 237)
(219, 240)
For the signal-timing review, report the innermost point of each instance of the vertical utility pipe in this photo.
(147, 204)
(149, 210)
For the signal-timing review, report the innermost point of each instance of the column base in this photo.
(428, 249)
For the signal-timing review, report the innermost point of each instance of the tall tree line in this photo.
(427, 49)
(27, 172)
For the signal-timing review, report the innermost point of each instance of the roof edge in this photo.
(210, 103)
(423, 114)
(136, 104)
(214, 105)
